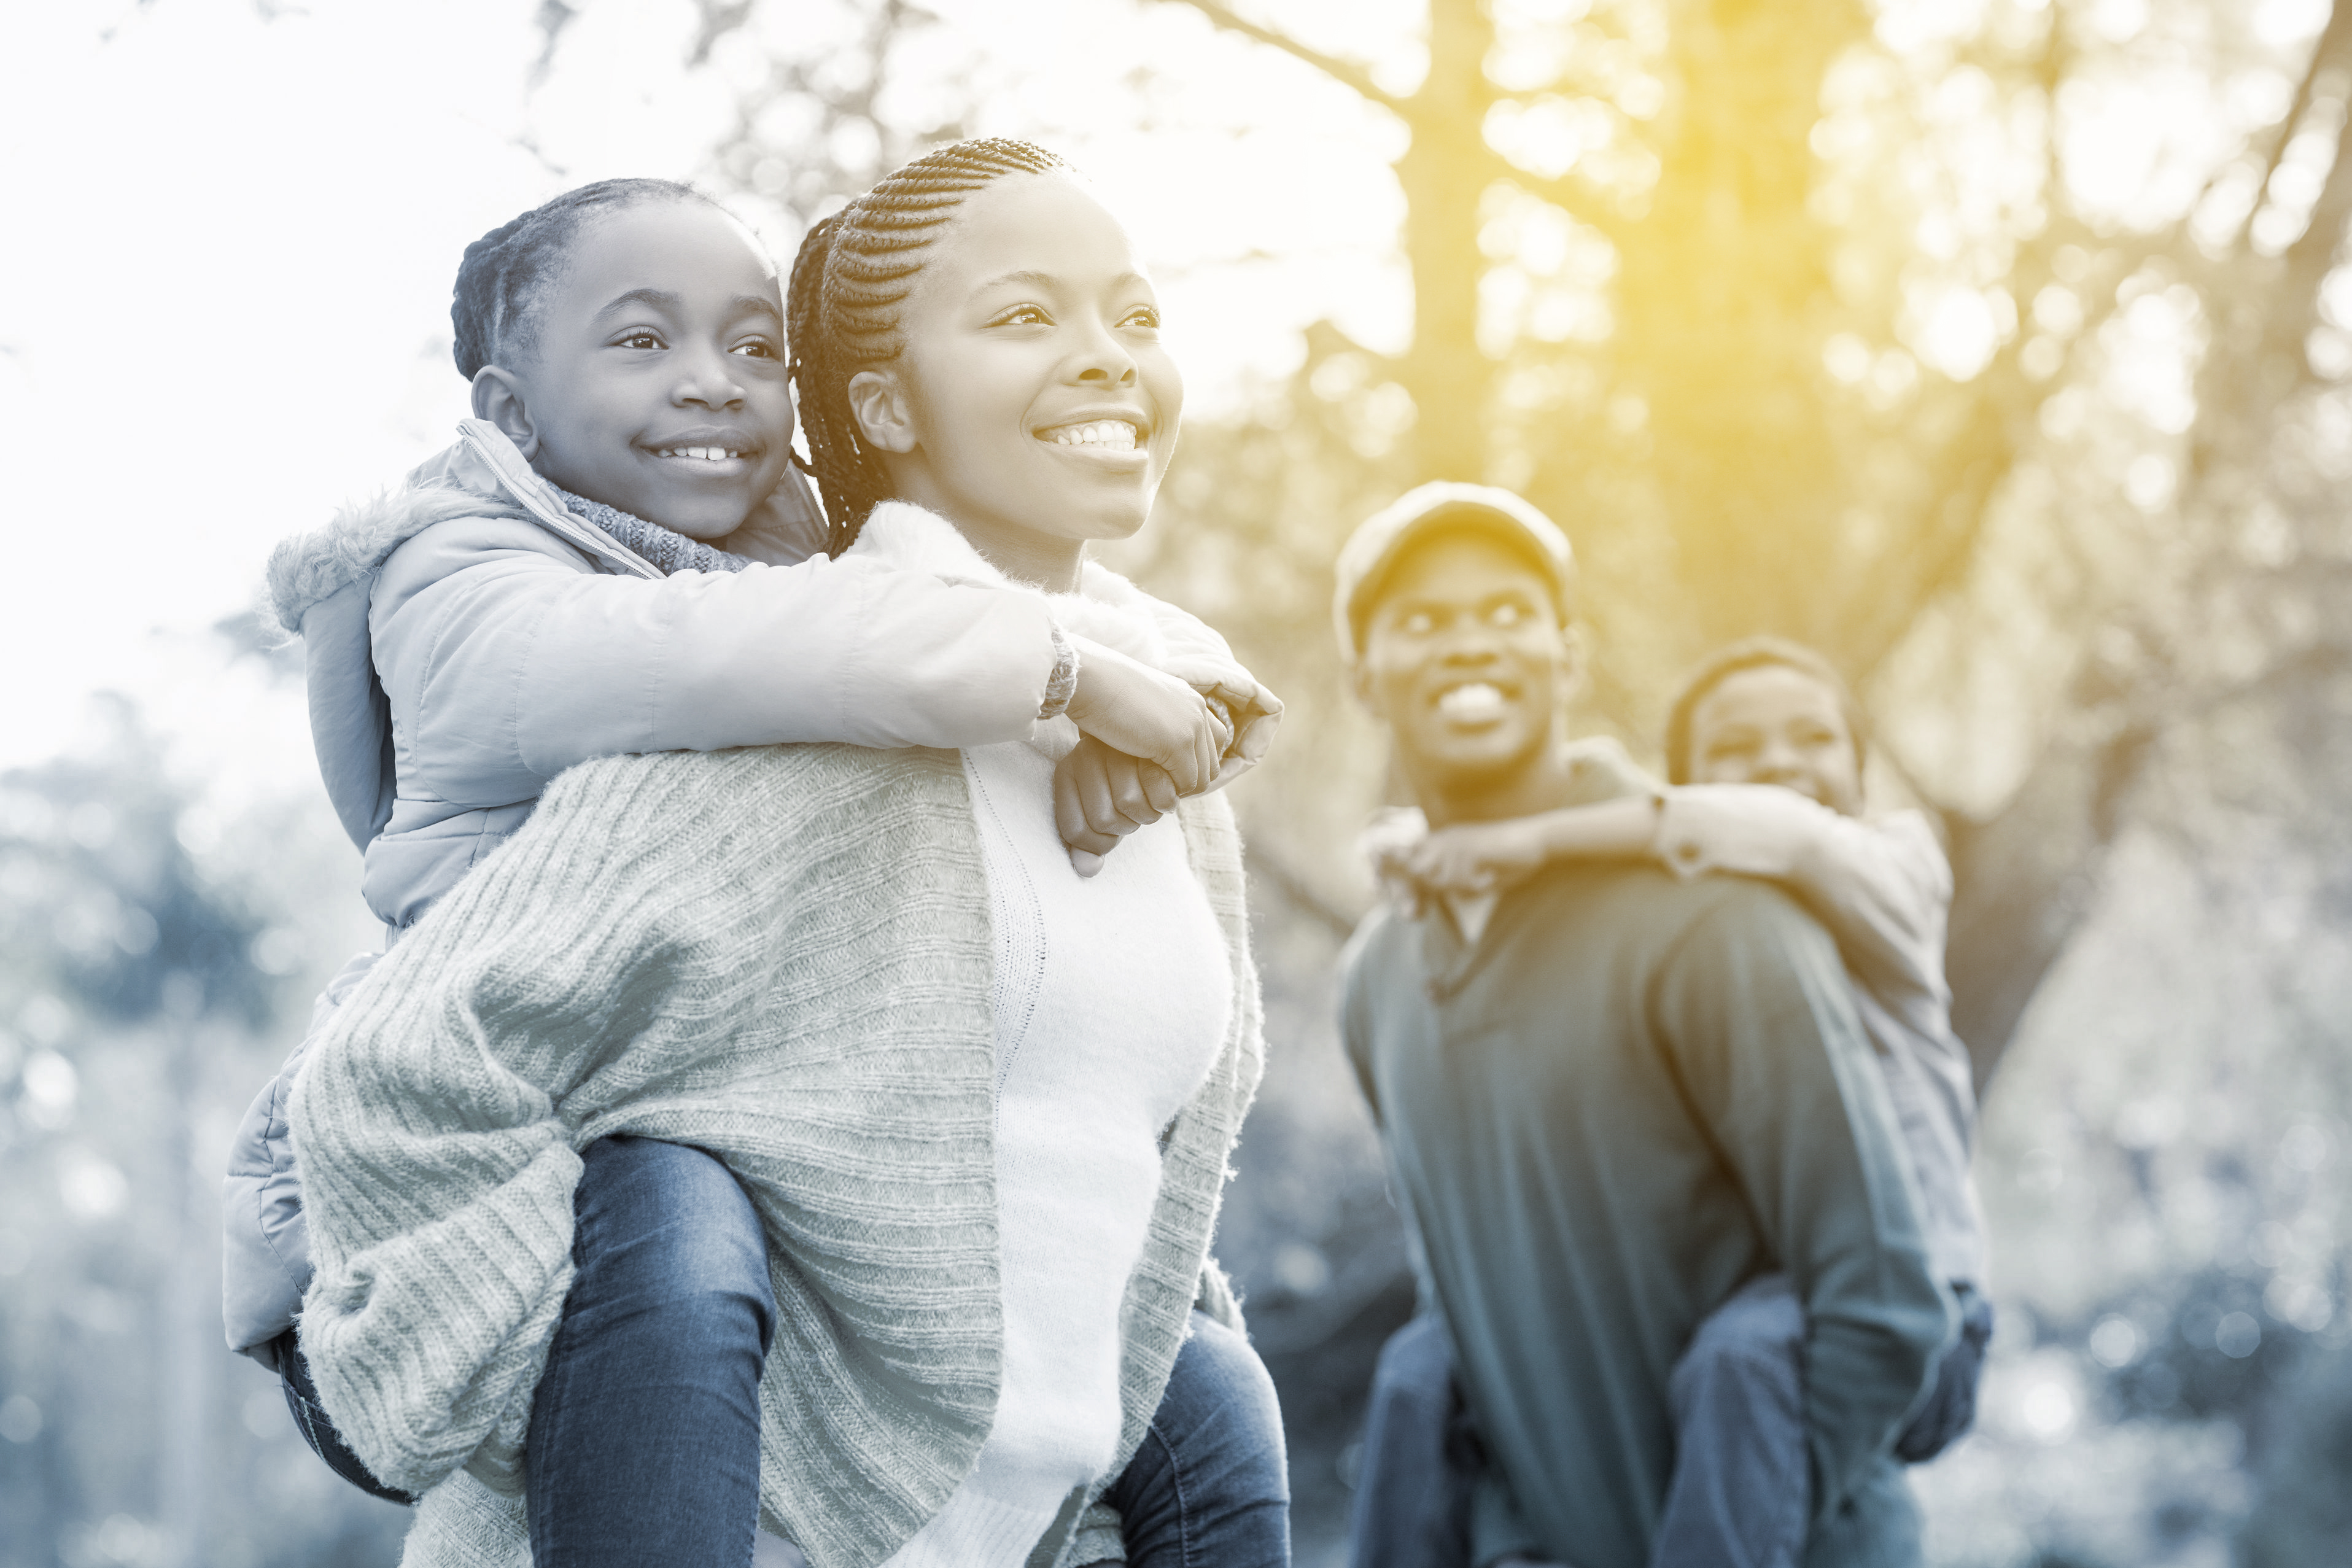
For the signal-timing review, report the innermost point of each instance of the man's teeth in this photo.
(1115, 434)
(1476, 700)
(701, 454)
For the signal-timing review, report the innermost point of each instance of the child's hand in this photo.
(1101, 796)
(1474, 856)
(1135, 709)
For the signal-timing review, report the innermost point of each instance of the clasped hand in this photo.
(1147, 740)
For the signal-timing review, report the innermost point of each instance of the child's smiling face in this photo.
(654, 380)
(1033, 405)
(1772, 725)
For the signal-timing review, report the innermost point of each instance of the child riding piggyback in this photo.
(618, 556)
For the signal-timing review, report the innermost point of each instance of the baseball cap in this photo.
(1442, 506)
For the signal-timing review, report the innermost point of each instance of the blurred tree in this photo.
(134, 989)
(1676, 268)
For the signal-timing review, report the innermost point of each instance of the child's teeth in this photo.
(1477, 700)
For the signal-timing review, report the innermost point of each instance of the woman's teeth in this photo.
(1115, 434)
(700, 453)
(1472, 703)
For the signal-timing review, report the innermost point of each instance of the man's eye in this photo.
(638, 340)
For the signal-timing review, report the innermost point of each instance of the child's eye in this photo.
(638, 340)
(758, 348)
(1144, 316)
(1023, 316)
(1503, 617)
(1419, 624)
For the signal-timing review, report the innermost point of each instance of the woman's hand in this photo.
(1101, 796)
(1133, 708)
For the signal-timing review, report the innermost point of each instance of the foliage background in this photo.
(1998, 348)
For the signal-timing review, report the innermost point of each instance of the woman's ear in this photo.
(878, 402)
(497, 397)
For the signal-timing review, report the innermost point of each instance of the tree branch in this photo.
(1576, 201)
(1346, 73)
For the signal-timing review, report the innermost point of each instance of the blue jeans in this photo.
(644, 1433)
(1412, 1507)
(1210, 1485)
(1742, 1490)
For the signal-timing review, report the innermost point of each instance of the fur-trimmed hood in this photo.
(484, 475)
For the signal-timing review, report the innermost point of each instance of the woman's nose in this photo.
(1104, 361)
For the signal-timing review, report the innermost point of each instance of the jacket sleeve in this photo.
(1758, 1022)
(505, 663)
(1881, 887)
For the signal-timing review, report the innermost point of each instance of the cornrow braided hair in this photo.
(843, 315)
(503, 271)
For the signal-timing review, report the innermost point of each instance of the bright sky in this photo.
(224, 307)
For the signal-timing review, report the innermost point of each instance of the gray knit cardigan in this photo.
(782, 955)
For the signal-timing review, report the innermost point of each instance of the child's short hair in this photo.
(1754, 653)
(503, 271)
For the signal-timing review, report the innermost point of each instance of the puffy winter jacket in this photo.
(467, 638)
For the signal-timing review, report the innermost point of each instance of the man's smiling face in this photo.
(1465, 659)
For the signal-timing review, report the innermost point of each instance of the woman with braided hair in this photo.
(968, 1083)
(617, 559)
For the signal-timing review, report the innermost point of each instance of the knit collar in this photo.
(666, 550)
(1104, 608)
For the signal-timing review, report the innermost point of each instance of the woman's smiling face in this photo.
(1033, 405)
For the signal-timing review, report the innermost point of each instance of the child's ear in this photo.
(1359, 686)
(497, 397)
(877, 401)
(1572, 662)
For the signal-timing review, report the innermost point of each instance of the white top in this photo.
(1111, 1000)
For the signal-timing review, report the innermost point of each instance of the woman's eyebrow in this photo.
(1035, 279)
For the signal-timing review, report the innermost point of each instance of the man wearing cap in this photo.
(1610, 1097)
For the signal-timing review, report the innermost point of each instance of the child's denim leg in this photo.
(310, 1419)
(1413, 1497)
(1210, 1487)
(1950, 1407)
(1742, 1487)
(644, 1433)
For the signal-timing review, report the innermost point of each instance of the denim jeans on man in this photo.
(1742, 1489)
(644, 1434)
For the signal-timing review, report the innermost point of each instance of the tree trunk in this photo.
(1444, 172)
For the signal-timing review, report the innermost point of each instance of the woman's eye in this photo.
(638, 340)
